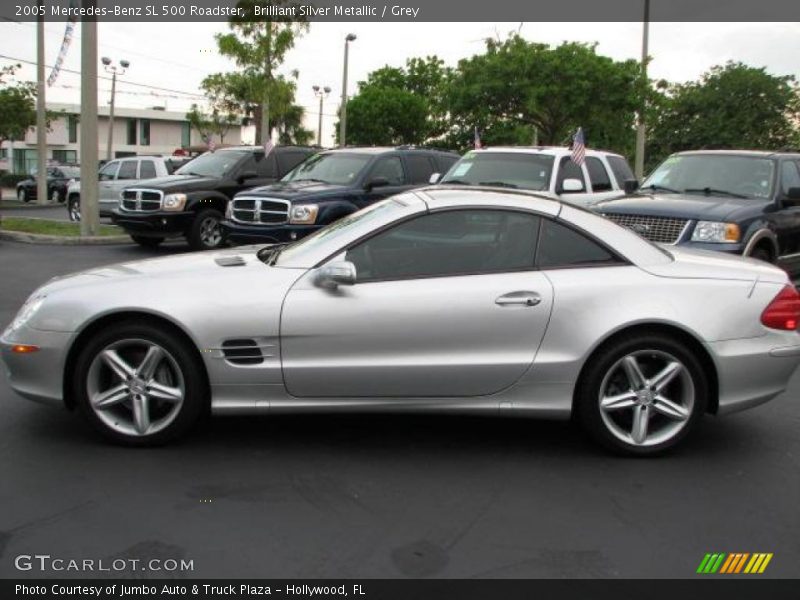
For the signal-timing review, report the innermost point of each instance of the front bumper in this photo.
(237, 233)
(153, 224)
(38, 375)
(754, 370)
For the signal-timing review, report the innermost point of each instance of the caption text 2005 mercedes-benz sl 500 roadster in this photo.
(443, 299)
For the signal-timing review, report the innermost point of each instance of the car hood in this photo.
(684, 206)
(297, 190)
(177, 183)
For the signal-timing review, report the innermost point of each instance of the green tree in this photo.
(17, 106)
(731, 106)
(212, 123)
(518, 90)
(258, 46)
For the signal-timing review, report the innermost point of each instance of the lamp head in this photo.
(105, 60)
(351, 37)
(125, 64)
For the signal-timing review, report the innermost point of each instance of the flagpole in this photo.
(640, 125)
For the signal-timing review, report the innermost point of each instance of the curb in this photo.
(31, 206)
(63, 240)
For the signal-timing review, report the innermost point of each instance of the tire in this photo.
(147, 242)
(761, 253)
(139, 413)
(607, 375)
(57, 197)
(74, 209)
(22, 195)
(205, 232)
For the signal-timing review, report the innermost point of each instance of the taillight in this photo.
(784, 310)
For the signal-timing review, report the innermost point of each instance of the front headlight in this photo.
(32, 304)
(715, 231)
(174, 202)
(303, 214)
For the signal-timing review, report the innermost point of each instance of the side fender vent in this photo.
(242, 352)
(230, 261)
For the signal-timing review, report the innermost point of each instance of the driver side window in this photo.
(109, 171)
(456, 242)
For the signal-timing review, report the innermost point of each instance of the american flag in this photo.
(268, 147)
(578, 147)
(477, 141)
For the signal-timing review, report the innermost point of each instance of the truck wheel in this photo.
(761, 253)
(22, 195)
(206, 231)
(147, 242)
(74, 209)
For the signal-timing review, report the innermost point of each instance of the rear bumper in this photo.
(153, 224)
(755, 370)
(237, 233)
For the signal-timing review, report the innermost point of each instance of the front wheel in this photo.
(206, 230)
(139, 385)
(57, 196)
(147, 242)
(22, 195)
(642, 394)
(74, 209)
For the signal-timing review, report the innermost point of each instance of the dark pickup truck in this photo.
(192, 201)
(735, 201)
(327, 187)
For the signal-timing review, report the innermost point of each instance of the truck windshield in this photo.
(508, 169)
(714, 174)
(212, 164)
(341, 168)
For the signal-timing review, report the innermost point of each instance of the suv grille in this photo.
(664, 230)
(141, 200)
(268, 211)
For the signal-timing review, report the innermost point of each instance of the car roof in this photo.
(749, 153)
(545, 150)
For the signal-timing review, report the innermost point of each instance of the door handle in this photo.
(519, 299)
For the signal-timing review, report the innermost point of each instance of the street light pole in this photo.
(114, 70)
(343, 116)
(640, 125)
(322, 93)
(90, 221)
(41, 118)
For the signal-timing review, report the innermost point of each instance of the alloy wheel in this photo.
(210, 232)
(135, 387)
(646, 398)
(75, 211)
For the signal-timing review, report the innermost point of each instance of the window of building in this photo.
(562, 247)
(144, 132)
(131, 138)
(25, 161)
(456, 242)
(65, 156)
(186, 135)
(72, 129)
(3, 153)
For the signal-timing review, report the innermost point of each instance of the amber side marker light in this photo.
(24, 348)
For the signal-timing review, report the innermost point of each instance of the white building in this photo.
(136, 131)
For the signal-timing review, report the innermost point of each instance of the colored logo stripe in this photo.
(735, 562)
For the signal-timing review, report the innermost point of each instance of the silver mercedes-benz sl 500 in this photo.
(443, 299)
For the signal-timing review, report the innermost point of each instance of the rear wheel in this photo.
(74, 209)
(139, 385)
(206, 230)
(642, 394)
(147, 242)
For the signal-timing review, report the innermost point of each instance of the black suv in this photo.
(326, 187)
(192, 201)
(735, 201)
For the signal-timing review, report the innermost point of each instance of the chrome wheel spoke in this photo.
(141, 414)
(632, 371)
(666, 375)
(164, 392)
(150, 362)
(111, 397)
(619, 401)
(117, 364)
(641, 420)
(670, 409)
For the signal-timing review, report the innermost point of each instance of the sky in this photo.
(177, 56)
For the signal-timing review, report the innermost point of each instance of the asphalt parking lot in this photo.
(389, 496)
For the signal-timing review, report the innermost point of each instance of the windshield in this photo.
(337, 168)
(714, 174)
(212, 164)
(343, 227)
(513, 169)
(71, 172)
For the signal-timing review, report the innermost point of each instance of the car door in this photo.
(127, 175)
(389, 168)
(106, 178)
(446, 304)
(786, 219)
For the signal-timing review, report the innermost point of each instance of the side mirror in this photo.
(630, 186)
(247, 175)
(335, 274)
(377, 182)
(435, 177)
(570, 186)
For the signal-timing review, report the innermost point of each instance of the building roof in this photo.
(153, 114)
